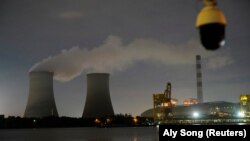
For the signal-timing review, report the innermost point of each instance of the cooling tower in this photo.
(41, 102)
(98, 102)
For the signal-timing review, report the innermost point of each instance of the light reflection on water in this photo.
(81, 134)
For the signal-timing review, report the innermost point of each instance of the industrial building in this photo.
(194, 107)
(98, 102)
(206, 109)
(41, 102)
(190, 101)
(162, 103)
(191, 108)
(245, 104)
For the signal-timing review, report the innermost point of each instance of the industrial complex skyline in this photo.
(142, 45)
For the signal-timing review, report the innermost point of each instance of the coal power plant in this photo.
(41, 102)
(98, 102)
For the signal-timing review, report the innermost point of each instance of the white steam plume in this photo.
(113, 55)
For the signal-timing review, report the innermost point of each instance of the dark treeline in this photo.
(57, 122)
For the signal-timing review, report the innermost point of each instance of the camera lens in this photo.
(212, 35)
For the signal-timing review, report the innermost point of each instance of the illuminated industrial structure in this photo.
(193, 108)
(41, 102)
(190, 101)
(245, 105)
(204, 110)
(98, 102)
(162, 106)
(173, 101)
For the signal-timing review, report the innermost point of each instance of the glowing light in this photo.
(135, 120)
(108, 120)
(97, 120)
(243, 98)
(241, 114)
(196, 115)
(223, 42)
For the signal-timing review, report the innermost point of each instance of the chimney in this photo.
(98, 102)
(41, 102)
(199, 79)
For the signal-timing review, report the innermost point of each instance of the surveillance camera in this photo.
(211, 23)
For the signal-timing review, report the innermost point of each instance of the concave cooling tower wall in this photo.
(41, 102)
(98, 102)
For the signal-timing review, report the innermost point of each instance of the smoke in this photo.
(114, 55)
(70, 15)
(219, 61)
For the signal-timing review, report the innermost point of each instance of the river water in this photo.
(81, 134)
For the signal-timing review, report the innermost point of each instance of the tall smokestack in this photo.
(41, 102)
(98, 102)
(199, 79)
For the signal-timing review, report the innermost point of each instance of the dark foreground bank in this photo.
(57, 122)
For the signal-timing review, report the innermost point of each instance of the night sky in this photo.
(143, 44)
